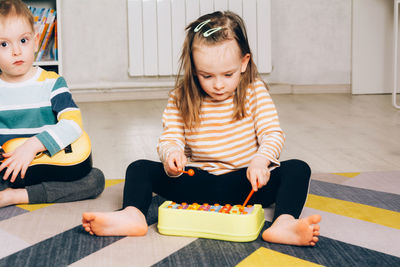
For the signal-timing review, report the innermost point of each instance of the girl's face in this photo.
(218, 68)
(18, 44)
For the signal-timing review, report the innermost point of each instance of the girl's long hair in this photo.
(188, 92)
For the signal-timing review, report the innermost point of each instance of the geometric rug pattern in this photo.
(360, 227)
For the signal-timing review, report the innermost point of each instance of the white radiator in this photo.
(156, 31)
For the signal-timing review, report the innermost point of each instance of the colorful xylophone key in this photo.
(229, 209)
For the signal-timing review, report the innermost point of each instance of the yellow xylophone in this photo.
(231, 223)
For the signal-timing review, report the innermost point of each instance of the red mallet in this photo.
(190, 172)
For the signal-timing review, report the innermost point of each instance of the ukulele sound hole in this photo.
(68, 149)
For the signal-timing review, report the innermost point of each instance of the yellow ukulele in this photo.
(74, 161)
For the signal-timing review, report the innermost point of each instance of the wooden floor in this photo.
(332, 132)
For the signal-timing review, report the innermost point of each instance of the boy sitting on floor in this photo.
(35, 104)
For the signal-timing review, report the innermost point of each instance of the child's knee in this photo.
(302, 167)
(96, 181)
(141, 163)
(136, 167)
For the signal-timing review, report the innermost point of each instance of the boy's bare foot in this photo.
(288, 230)
(11, 196)
(127, 222)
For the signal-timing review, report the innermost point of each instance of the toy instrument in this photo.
(75, 160)
(231, 223)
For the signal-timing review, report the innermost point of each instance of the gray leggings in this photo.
(89, 186)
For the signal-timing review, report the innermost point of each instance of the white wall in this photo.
(372, 47)
(94, 39)
(311, 44)
(311, 41)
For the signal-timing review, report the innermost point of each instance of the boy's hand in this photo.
(175, 162)
(19, 159)
(258, 172)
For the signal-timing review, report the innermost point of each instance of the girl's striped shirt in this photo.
(220, 144)
(41, 106)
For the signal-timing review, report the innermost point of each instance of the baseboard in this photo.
(322, 89)
(96, 95)
(160, 91)
(310, 89)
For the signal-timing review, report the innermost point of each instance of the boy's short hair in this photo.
(17, 8)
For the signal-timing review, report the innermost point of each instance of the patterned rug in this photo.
(360, 227)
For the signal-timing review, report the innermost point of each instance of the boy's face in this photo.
(18, 44)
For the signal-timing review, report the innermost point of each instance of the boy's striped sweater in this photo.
(41, 106)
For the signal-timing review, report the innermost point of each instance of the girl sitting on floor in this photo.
(221, 120)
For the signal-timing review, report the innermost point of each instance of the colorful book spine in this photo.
(45, 27)
(37, 16)
(48, 35)
(55, 44)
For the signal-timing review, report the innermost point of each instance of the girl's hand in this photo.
(18, 160)
(258, 172)
(175, 162)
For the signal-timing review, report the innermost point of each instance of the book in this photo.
(54, 51)
(49, 33)
(45, 27)
(37, 16)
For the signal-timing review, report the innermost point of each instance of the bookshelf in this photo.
(53, 65)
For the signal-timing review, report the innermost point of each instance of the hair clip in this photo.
(208, 32)
(211, 31)
(198, 27)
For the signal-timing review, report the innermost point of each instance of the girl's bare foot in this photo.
(127, 222)
(11, 196)
(288, 230)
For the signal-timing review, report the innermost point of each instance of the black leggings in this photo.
(287, 187)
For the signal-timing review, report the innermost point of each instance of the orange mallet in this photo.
(248, 197)
(190, 172)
